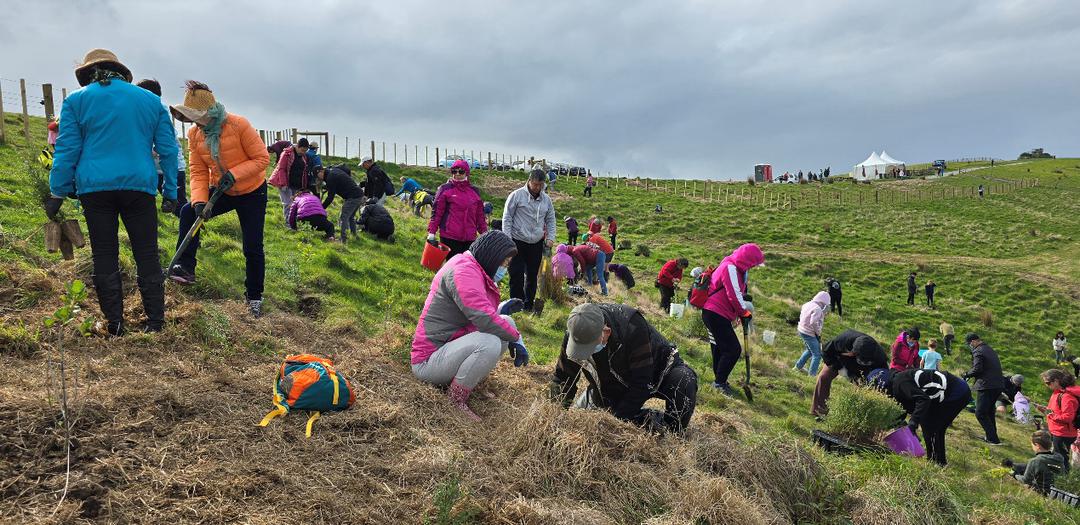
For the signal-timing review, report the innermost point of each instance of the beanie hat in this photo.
(491, 248)
(302, 143)
(865, 348)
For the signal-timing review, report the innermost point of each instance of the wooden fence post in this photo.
(384, 152)
(293, 136)
(63, 93)
(46, 96)
(373, 150)
(436, 156)
(25, 112)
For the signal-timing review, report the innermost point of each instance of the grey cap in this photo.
(1017, 380)
(971, 337)
(585, 327)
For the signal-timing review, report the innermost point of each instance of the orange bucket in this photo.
(434, 257)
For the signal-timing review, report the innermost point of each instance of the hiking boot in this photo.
(724, 389)
(178, 274)
(255, 305)
(152, 290)
(993, 443)
(109, 329)
(110, 294)
(459, 397)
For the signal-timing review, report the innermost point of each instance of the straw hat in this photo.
(98, 57)
(197, 101)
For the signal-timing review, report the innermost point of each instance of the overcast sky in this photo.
(662, 89)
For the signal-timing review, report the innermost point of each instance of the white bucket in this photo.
(769, 337)
(677, 310)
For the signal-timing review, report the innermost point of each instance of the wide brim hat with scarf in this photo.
(198, 99)
(84, 72)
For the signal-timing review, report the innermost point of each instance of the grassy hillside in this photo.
(167, 427)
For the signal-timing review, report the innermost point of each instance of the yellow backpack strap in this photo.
(279, 408)
(311, 421)
(337, 388)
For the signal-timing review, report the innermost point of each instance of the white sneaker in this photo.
(256, 308)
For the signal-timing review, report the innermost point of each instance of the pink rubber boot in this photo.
(459, 395)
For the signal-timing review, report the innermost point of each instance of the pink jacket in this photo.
(728, 284)
(458, 212)
(462, 300)
(303, 206)
(904, 356)
(280, 178)
(813, 315)
(562, 263)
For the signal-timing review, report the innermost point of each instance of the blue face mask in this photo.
(499, 274)
(599, 347)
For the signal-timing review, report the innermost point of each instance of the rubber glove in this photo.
(52, 207)
(518, 352)
(511, 306)
(168, 206)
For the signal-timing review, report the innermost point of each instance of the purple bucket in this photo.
(904, 442)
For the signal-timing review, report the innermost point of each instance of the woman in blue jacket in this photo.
(104, 156)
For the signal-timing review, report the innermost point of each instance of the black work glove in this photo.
(52, 207)
(168, 205)
(199, 208)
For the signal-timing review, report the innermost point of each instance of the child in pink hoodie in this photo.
(562, 263)
(811, 320)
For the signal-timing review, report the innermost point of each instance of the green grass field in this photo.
(1011, 256)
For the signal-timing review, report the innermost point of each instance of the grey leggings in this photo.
(466, 360)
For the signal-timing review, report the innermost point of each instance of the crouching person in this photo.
(933, 399)
(853, 354)
(1039, 472)
(375, 220)
(306, 207)
(626, 362)
(461, 334)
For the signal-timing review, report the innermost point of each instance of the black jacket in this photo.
(377, 182)
(873, 355)
(376, 220)
(340, 182)
(917, 400)
(300, 177)
(628, 368)
(834, 288)
(911, 286)
(985, 368)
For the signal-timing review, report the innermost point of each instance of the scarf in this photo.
(212, 130)
(104, 76)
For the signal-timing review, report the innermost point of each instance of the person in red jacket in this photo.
(612, 229)
(905, 350)
(592, 262)
(668, 278)
(594, 224)
(1060, 412)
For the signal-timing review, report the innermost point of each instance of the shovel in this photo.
(746, 356)
(227, 180)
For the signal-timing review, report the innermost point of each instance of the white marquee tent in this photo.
(891, 161)
(874, 167)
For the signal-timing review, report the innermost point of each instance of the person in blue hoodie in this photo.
(408, 188)
(105, 156)
(313, 159)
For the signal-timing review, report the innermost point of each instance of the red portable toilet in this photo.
(763, 173)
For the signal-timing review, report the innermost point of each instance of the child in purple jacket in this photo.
(306, 207)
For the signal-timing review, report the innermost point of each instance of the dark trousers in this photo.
(666, 293)
(948, 339)
(936, 422)
(613, 241)
(455, 246)
(587, 192)
(524, 269)
(320, 223)
(251, 210)
(1062, 446)
(572, 237)
(103, 211)
(911, 296)
(984, 411)
(836, 303)
(678, 389)
(725, 345)
(819, 406)
(930, 299)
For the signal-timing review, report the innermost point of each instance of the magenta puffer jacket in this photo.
(728, 286)
(458, 212)
(303, 206)
(562, 263)
(462, 300)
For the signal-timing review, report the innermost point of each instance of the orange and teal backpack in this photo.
(309, 382)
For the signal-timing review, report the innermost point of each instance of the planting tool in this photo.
(746, 356)
(227, 180)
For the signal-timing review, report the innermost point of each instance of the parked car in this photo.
(473, 163)
(578, 171)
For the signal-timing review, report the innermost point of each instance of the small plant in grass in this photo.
(451, 504)
(642, 250)
(551, 288)
(986, 317)
(63, 388)
(861, 414)
(625, 245)
(750, 180)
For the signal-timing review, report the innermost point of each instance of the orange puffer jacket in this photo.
(242, 152)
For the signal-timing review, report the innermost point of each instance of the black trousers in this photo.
(1062, 446)
(666, 293)
(587, 192)
(678, 389)
(936, 422)
(572, 237)
(251, 210)
(455, 246)
(320, 223)
(524, 269)
(911, 296)
(836, 303)
(103, 211)
(613, 245)
(984, 411)
(930, 299)
(726, 348)
(947, 340)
